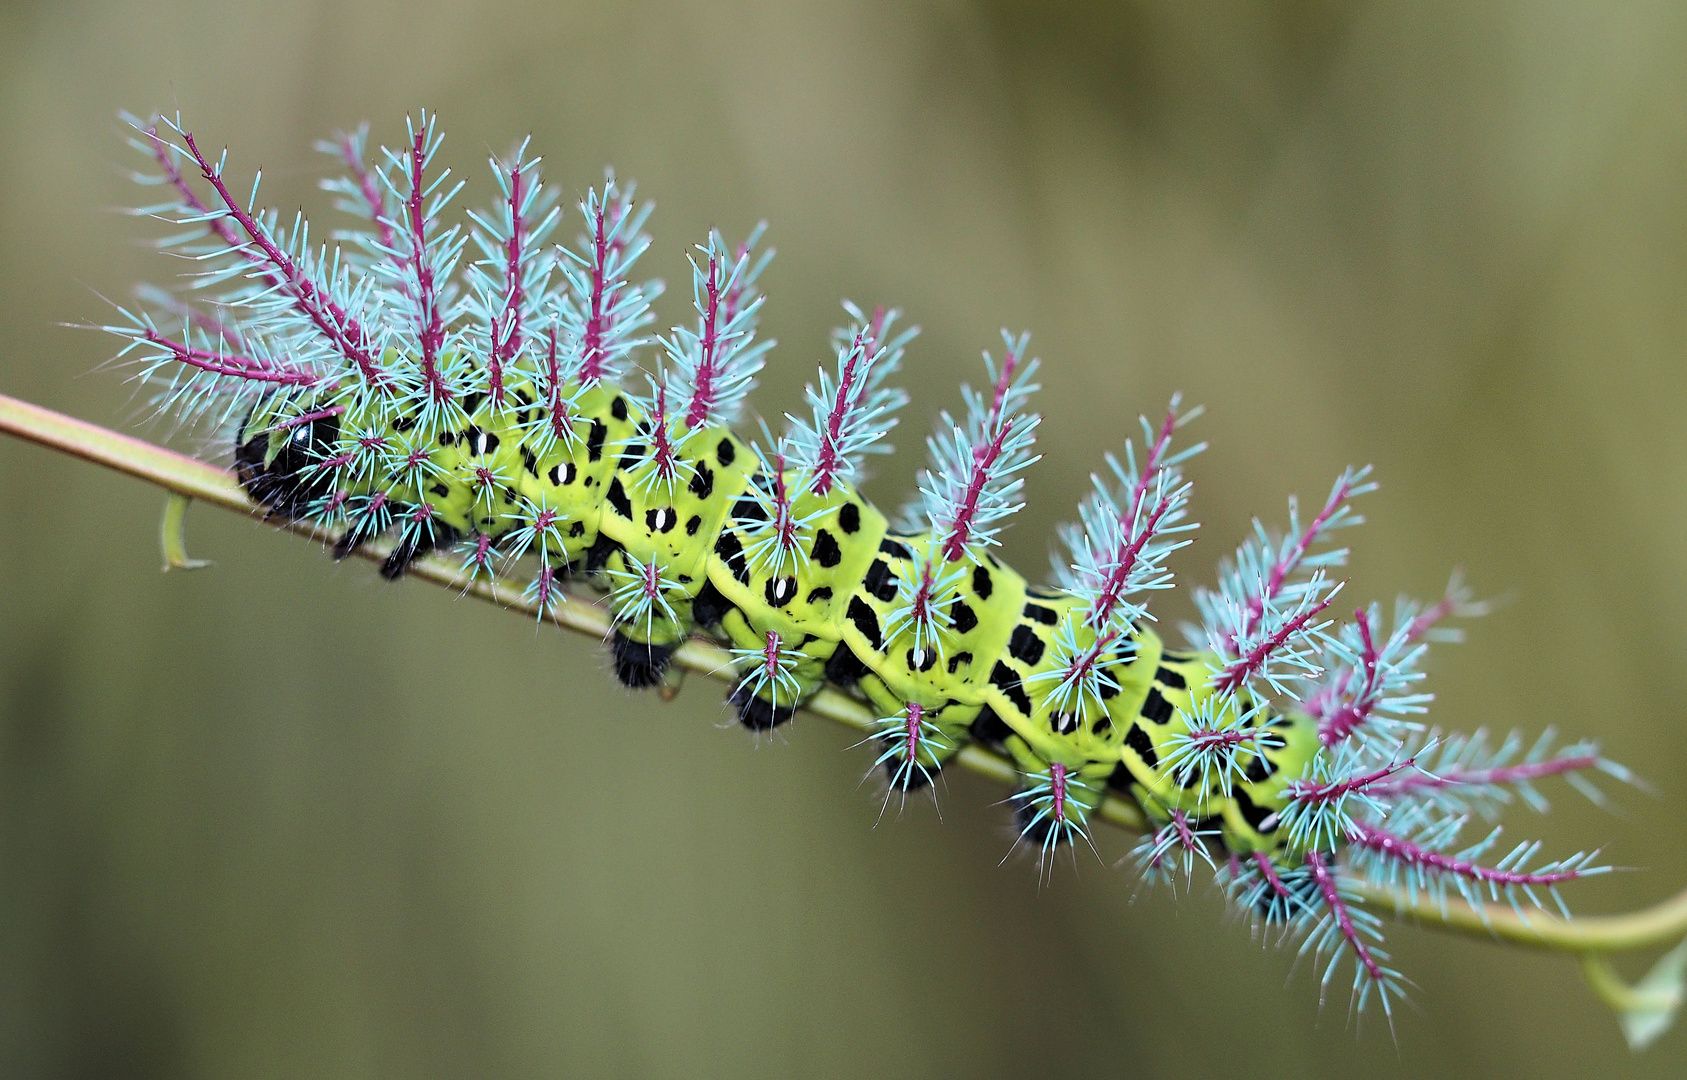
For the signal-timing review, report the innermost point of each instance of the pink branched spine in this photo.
(1238, 672)
(430, 320)
(230, 364)
(849, 411)
(708, 349)
(1400, 849)
(713, 366)
(310, 297)
(506, 332)
(830, 459)
(1294, 556)
(361, 189)
(600, 310)
(1370, 973)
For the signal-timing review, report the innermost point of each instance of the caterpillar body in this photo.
(496, 416)
(680, 556)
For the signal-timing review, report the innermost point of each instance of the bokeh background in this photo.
(281, 819)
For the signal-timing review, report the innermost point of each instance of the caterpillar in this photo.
(476, 392)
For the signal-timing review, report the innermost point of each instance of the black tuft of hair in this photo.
(435, 537)
(1037, 829)
(905, 779)
(639, 664)
(756, 713)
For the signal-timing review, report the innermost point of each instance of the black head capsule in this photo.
(292, 480)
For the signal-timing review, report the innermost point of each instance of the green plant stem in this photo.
(1663, 923)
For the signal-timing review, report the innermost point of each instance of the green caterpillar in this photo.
(595, 507)
(490, 410)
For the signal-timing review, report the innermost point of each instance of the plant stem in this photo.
(1661, 924)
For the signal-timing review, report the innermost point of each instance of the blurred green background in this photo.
(281, 819)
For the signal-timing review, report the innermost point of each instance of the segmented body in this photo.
(473, 477)
(487, 411)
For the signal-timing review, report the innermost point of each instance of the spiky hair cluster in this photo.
(405, 315)
(1383, 802)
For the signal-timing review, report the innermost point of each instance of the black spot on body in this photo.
(692, 524)
(660, 520)
(781, 590)
(618, 407)
(731, 552)
(439, 489)
(1102, 725)
(530, 462)
(1168, 677)
(1138, 740)
(849, 518)
(1253, 815)
(866, 622)
(1157, 708)
(1260, 768)
(1008, 683)
(594, 440)
(817, 595)
(725, 453)
(702, 482)
(709, 606)
(472, 402)
(990, 728)
(404, 423)
(964, 617)
(562, 474)
(618, 500)
(748, 509)
(844, 668)
(1045, 615)
(923, 661)
(1177, 657)
(1121, 778)
(446, 438)
(826, 550)
(1025, 646)
(880, 581)
(597, 557)
(896, 549)
(958, 659)
(577, 529)
(981, 583)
